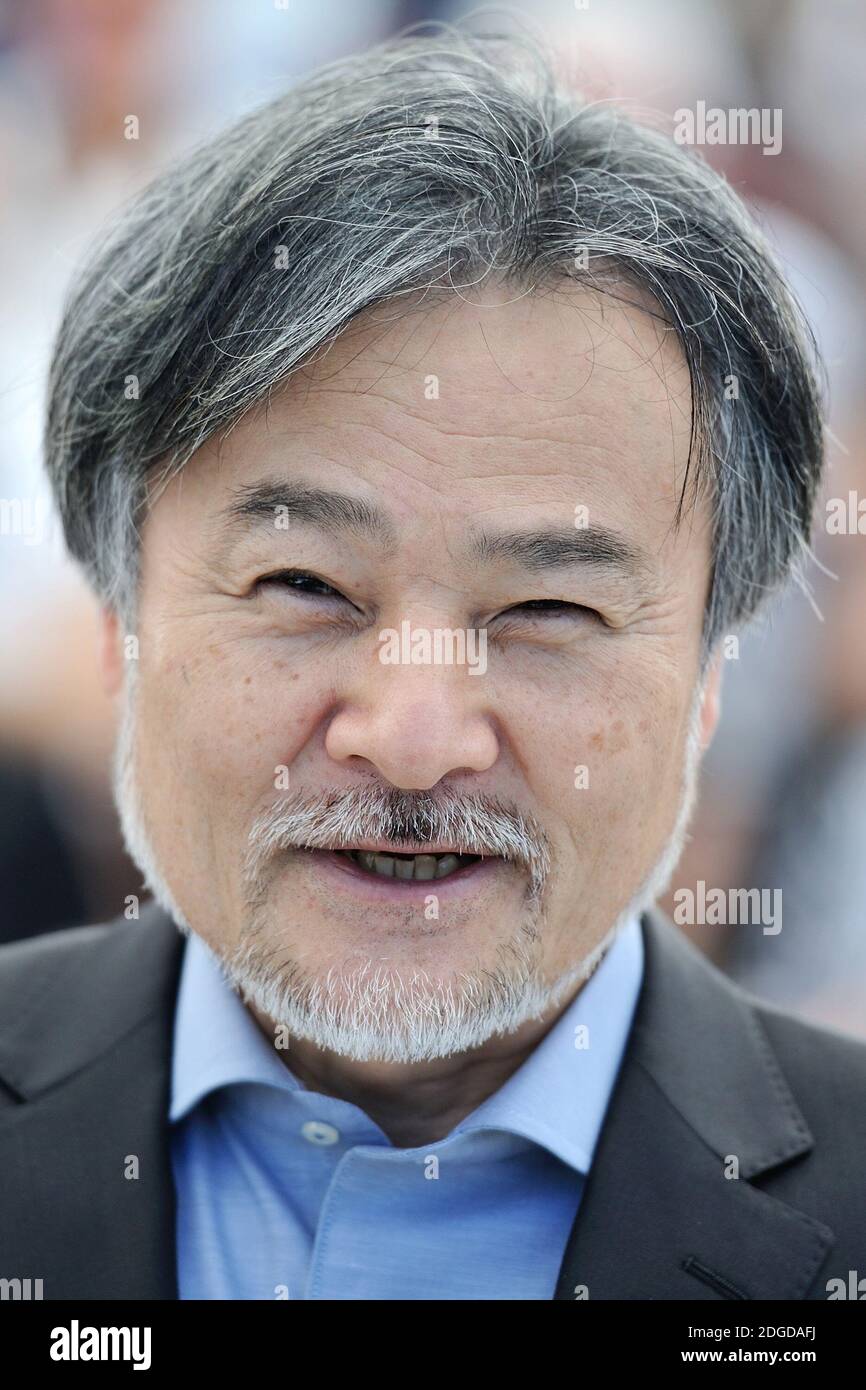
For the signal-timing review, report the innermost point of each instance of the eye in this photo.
(304, 584)
(554, 607)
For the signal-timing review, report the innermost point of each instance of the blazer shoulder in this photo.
(49, 950)
(67, 995)
(828, 1064)
(74, 959)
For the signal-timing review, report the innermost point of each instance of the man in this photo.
(423, 436)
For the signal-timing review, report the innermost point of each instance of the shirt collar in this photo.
(557, 1098)
(559, 1095)
(217, 1042)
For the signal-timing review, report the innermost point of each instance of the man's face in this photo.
(486, 447)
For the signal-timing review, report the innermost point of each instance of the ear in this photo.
(711, 705)
(110, 654)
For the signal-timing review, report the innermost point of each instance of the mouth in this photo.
(420, 868)
(378, 874)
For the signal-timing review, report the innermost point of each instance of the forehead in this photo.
(494, 400)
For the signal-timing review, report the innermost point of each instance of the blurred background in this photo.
(783, 800)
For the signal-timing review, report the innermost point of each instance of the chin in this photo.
(387, 1005)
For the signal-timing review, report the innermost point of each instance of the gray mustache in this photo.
(473, 824)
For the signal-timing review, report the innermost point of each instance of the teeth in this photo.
(420, 867)
(446, 865)
(379, 863)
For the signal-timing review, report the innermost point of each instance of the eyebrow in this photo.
(593, 546)
(333, 512)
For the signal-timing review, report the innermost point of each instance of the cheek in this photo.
(223, 724)
(639, 761)
(608, 761)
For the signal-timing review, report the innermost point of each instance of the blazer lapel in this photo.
(87, 1200)
(699, 1094)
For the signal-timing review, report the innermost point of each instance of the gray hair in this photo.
(424, 165)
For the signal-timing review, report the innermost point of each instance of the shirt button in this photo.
(317, 1132)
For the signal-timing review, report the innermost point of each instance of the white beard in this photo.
(385, 1015)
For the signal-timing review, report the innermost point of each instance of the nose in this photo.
(415, 725)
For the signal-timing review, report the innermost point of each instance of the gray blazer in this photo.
(85, 1060)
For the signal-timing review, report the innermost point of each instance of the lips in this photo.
(408, 867)
(374, 881)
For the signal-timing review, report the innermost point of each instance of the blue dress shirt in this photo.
(286, 1193)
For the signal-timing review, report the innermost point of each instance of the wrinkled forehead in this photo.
(480, 410)
(520, 357)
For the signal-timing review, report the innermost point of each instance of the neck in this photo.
(415, 1103)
